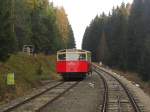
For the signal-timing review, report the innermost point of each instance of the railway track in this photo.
(116, 97)
(39, 101)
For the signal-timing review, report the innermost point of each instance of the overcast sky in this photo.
(81, 12)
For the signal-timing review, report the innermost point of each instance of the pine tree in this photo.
(7, 37)
(102, 50)
(135, 35)
(145, 55)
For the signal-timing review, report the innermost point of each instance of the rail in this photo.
(105, 95)
(131, 98)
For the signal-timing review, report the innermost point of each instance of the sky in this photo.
(81, 12)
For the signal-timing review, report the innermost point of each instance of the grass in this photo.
(29, 71)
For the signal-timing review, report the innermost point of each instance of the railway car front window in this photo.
(75, 56)
(72, 56)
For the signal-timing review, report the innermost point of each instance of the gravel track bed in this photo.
(85, 97)
(43, 99)
(28, 96)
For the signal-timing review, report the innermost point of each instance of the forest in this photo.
(121, 39)
(33, 22)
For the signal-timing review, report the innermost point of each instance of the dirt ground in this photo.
(83, 98)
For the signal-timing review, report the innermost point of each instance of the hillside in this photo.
(29, 72)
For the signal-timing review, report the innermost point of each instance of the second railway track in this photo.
(116, 97)
(39, 101)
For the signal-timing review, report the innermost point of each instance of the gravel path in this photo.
(83, 98)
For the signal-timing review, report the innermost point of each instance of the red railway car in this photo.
(73, 63)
